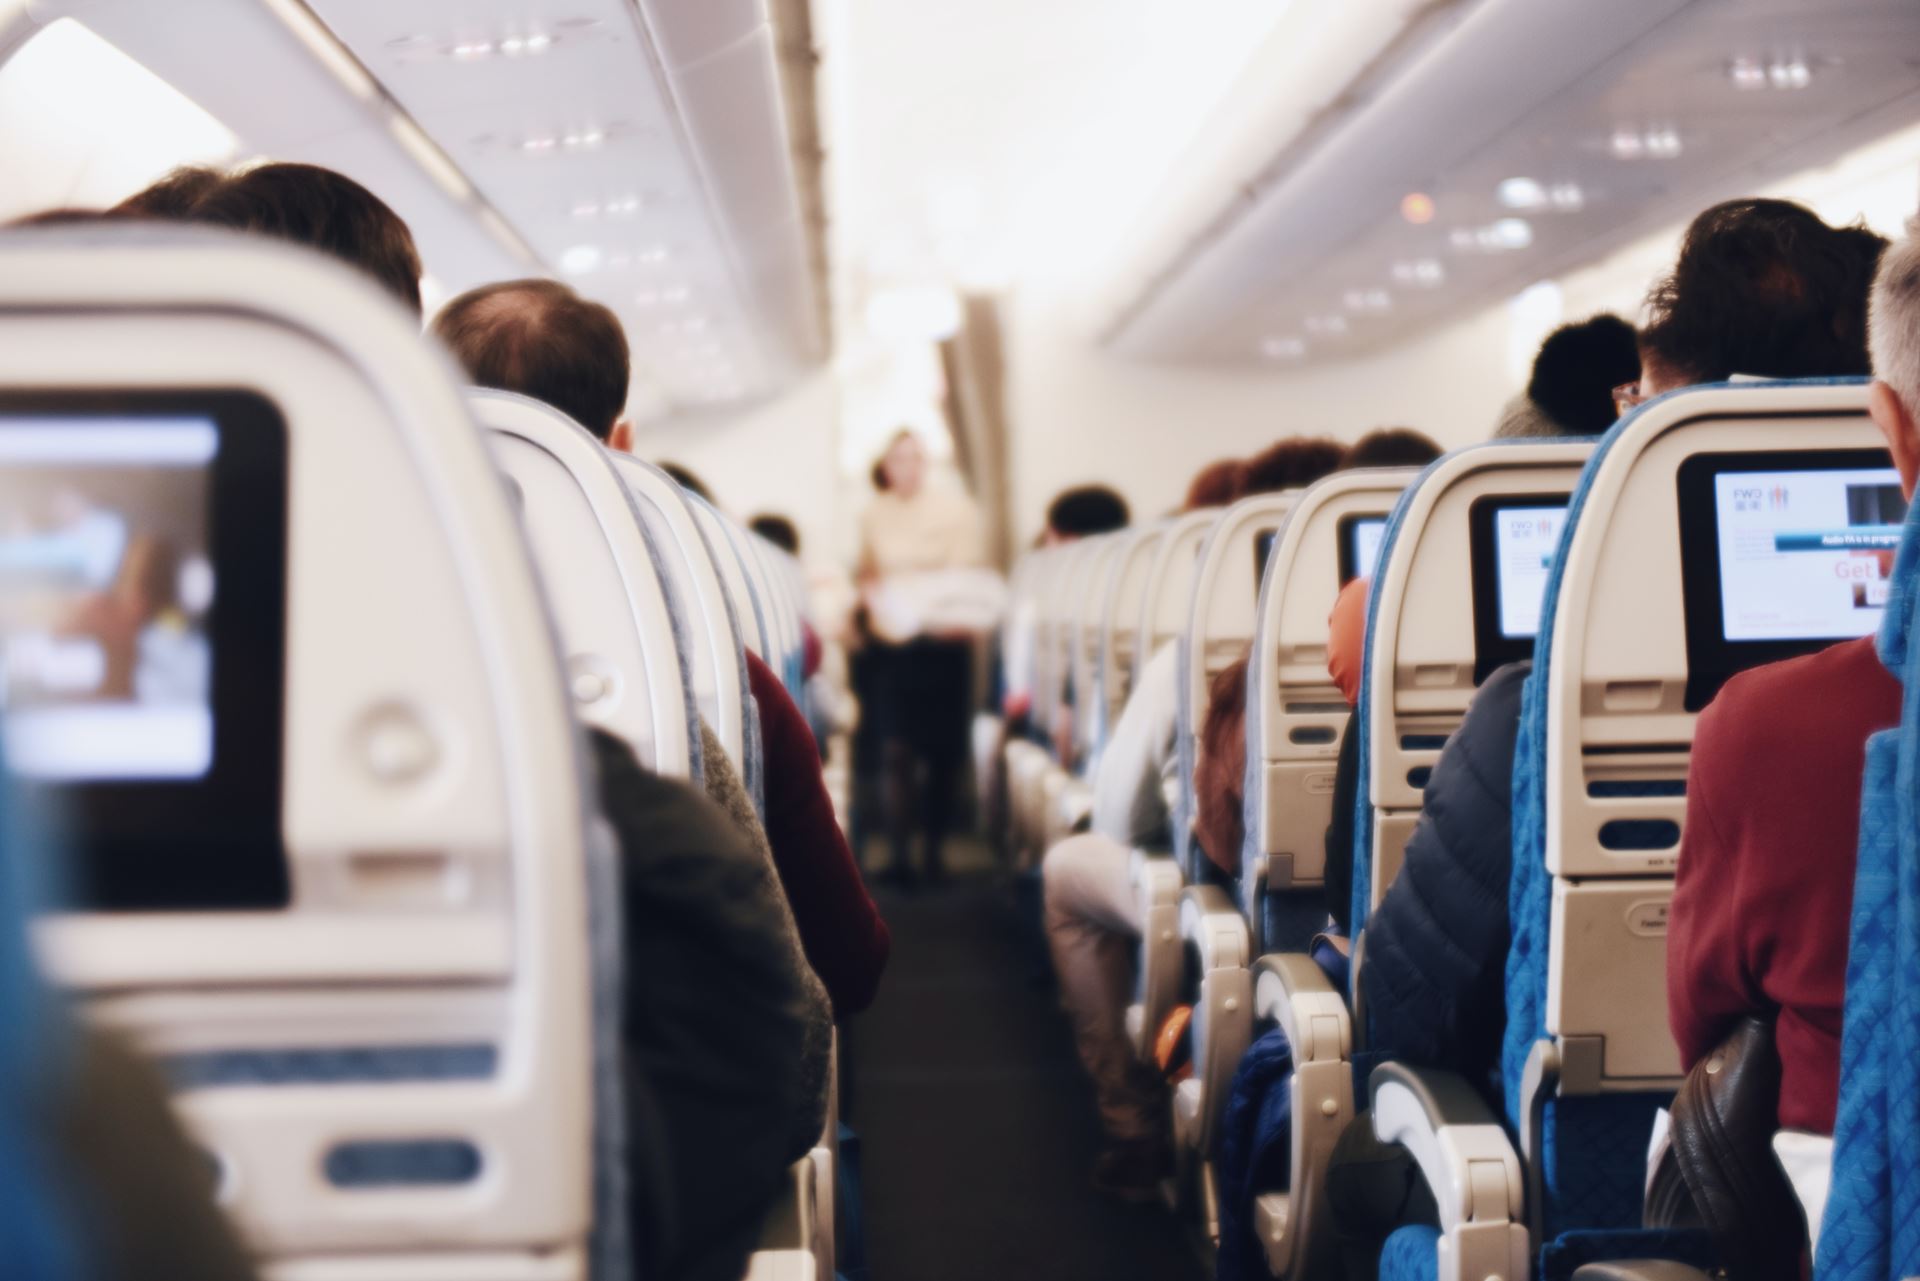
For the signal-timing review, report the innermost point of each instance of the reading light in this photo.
(1368, 301)
(580, 259)
(1330, 325)
(1282, 348)
(1417, 208)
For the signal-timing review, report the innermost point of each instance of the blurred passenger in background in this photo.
(919, 694)
(1576, 372)
(1092, 915)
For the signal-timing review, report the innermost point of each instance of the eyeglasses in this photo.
(1628, 396)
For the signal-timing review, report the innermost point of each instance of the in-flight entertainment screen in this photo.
(1782, 553)
(1514, 539)
(142, 639)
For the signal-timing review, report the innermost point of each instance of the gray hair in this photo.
(1522, 419)
(1893, 319)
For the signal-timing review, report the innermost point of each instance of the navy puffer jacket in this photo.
(1436, 949)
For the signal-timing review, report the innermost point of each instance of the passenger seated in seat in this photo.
(1761, 287)
(1575, 373)
(311, 206)
(1092, 915)
(541, 339)
(1764, 890)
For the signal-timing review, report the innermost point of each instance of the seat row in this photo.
(382, 963)
(1617, 567)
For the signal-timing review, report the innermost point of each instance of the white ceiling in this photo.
(1008, 142)
(638, 148)
(1303, 269)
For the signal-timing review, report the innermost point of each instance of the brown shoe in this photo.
(1131, 1170)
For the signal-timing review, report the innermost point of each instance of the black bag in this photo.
(1719, 1171)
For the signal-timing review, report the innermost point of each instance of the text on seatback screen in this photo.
(1524, 540)
(1805, 554)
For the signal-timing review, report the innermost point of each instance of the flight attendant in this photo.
(919, 671)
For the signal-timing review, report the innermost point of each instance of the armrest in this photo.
(780, 1265)
(1156, 879)
(1291, 990)
(1638, 1270)
(1468, 1162)
(1210, 920)
(1295, 1226)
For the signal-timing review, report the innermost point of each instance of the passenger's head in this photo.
(323, 210)
(1215, 485)
(777, 530)
(904, 465)
(174, 196)
(1392, 447)
(1576, 371)
(1084, 511)
(1894, 332)
(1761, 287)
(543, 340)
(685, 478)
(1293, 463)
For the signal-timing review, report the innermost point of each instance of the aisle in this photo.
(979, 1130)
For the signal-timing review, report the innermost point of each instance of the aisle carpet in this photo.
(979, 1129)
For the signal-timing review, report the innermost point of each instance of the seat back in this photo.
(1295, 714)
(716, 651)
(1169, 587)
(1218, 630)
(371, 981)
(1088, 616)
(1435, 626)
(756, 626)
(1697, 519)
(1119, 657)
(1071, 570)
(625, 656)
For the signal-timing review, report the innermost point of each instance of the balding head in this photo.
(541, 339)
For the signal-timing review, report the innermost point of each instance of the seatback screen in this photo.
(1524, 540)
(1360, 539)
(1514, 539)
(1783, 553)
(142, 603)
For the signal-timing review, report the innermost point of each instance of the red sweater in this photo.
(845, 940)
(1764, 892)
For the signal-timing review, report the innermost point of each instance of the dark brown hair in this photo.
(324, 210)
(1293, 463)
(543, 340)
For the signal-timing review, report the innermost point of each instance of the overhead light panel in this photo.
(1425, 273)
(1788, 73)
(1278, 348)
(1330, 326)
(1655, 144)
(1368, 302)
(581, 259)
(1522, 193)
(1504, 236)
